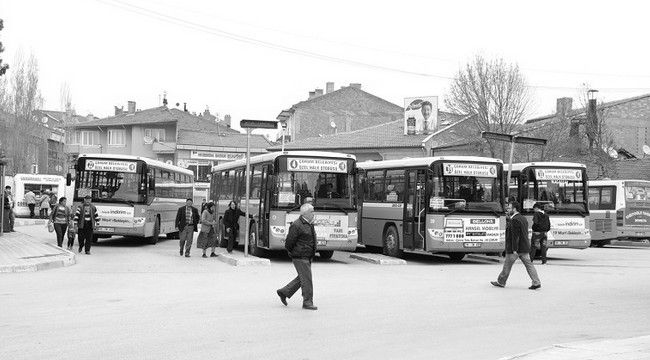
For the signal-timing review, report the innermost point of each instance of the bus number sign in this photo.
(111, 165)
(317, 165)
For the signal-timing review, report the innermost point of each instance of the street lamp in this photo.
(283, 123)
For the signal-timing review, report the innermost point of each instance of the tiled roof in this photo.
(387, 135)
(315, 102)
(581, 111)
(633, 169)
(205, 138)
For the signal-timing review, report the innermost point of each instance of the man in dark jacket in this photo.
(187, 221)
(541, 225)
(86, 220)
(301, 245)
(517, 246)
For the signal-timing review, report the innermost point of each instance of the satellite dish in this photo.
(44, 119)
(333, 124)
(613, 153)
(148, 140)
(646, 149)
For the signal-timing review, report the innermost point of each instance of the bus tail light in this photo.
(619, 217)
(278, 230)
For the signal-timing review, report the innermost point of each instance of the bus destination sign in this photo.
(317, 165)
(559, 174)
(111, 165)
(466, 169)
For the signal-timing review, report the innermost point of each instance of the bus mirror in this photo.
(152, 183)
(68, 179)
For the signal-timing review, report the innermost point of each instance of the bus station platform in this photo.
(237, 258)
(23, 253)
(623, 349)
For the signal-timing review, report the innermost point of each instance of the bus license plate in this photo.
(472, 245)
(560, 243)
(105, 229)
(321, 242)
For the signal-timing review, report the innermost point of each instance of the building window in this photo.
(158, 134)
(116, 137)
(85, 138)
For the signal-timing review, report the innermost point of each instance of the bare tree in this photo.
(3, 67)
(493, 90)
(65, 98)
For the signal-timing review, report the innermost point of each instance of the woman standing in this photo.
(45, 205)
(61, 216)
(208, 236)
(231, 223)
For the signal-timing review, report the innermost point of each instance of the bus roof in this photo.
(521, 166)
(272, 156)
(148, 161)
(423, 161)
(614, 182)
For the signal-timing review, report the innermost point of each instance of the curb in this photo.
(28, 222)
(57, 262)
(484, 258)
(240, 260)
(378, 259)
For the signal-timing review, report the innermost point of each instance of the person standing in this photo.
(86, 219)
(9, 205)
(517, 246)
(30, 200)
(53, 201)
(44, 203)
(541, 225)
(187, 219)
(231, 223)
(61, 216)
(208, 236)
(301, 245)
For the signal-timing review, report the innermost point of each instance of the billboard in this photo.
(420, 115)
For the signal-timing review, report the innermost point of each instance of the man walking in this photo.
(9, 208)
(517, 246)
(30, 200)
(301, 244)
(187, 220)
(86, 220)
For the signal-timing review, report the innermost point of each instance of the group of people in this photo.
(81, 222)
(46, 201)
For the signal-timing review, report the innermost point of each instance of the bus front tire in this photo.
(456, 256)
(156, 233)
(391, 242)
(325, 254)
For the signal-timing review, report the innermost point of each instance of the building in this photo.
(337, 111)
(166, 134)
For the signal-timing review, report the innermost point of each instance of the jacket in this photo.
(181, 219)
(231, 218)
(30, 197)
(517, 235)
(207, 221)
(79, 216)
(55, 210)
(301, 239)
(541, 222)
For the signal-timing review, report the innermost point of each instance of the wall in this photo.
(629, 124)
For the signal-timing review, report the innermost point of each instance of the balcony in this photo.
(164, 147)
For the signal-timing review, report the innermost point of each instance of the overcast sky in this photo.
(253, 59)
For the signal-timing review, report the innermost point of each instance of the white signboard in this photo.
(115, 216)
(473, 230)
(111, 165)
(567, 228)
(329, 227)
(559, 174)
(466, 169)
(209, 155)
(317, 165)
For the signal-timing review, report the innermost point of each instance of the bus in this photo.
(619, 210)
(135, 196)
(280, 183)
(561, 188)
(451, 205)
(38, 184)
(200, 193)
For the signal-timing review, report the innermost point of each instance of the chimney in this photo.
(226, 120)
(318, 92)
(329, 87)
(563, 107)
(312, 94)
(119, 110)
(131, 107)
(356, 85)
(185, 106)
(90, 117)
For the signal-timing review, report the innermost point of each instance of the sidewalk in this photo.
(20, 253)
(630, 348)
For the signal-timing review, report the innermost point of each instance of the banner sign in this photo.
(559, 174)
(329, 227)
(568, 228)
(469, 230)
(466, 169)
(111, 165)
(221, 156)
(115, 216)
(317, 165)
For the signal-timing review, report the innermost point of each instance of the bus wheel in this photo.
(391, 242)
(156, 232)
(252, 241)
(326, 254)
(456, 256)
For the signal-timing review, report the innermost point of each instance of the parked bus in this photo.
(38, 184)
(561, 188)
(134, 196)
(280, 183)
(452, 205)
(619, 210)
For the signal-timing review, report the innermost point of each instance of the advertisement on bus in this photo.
(468, 230)
(329, 227)
(637, 204)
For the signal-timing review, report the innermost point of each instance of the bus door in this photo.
(265, 201)
(414, 210)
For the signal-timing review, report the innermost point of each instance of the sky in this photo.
(251, 59)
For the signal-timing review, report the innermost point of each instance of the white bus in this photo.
(135, 196)
(619, 210)
(561, 188)
(451, 205)
(38, 184)
(280, 184)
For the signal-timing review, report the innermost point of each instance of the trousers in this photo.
(85, 238)
(302, 281)
(186, 236)
(60, 232)
(510, 260)
(543, 247)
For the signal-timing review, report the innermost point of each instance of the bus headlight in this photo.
(352, 232)
(138, 221)
(278, 230)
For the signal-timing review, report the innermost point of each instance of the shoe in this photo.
(535, 287)
(87, 252)
(181, 252)
(543, 261)
(497, 284)
(283, 298)
(230, 252)
(309, 307)
(204, 255)
(213, 255)
(187, 255)
(80, 250)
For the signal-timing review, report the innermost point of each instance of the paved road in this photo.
(130, 300)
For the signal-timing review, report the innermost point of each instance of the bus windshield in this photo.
(110, 186)
(327, 190)
(559, 190)
(466, 187)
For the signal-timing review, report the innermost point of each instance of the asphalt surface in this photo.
(130, 300)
